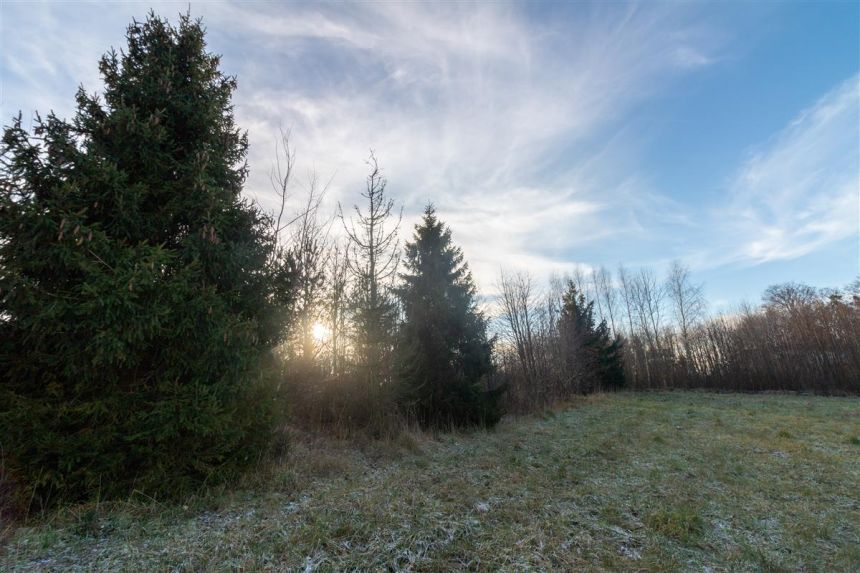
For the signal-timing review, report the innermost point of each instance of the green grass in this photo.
(634, 482)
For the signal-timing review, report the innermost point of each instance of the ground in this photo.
(644, 482)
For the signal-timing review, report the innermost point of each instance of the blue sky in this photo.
(549, 136)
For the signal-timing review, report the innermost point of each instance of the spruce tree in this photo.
(610, 358)
(372, 257)
(444, 351)
(591, 355)
(139, 290)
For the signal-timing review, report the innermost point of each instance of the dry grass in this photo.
(639, 482)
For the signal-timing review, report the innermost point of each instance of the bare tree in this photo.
(790, 296)
(517, 312)
(310, 250)
(595, 291)
(647, 295)
(557, 286)
(281, 176)
(303, 242)
(578, 278)
(336, 306)
(688, 304)
(627, 296)
(607, 296)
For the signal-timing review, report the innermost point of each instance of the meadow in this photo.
(678, 481)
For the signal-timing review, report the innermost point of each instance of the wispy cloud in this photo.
(801, 190)
(45, 54)
(508, 117)
(483, 109)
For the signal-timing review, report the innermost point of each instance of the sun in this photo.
(320, 332)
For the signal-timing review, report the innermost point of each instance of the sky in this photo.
(549, 136)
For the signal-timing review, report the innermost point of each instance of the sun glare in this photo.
(320, 332)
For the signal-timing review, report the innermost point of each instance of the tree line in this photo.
(799, 338)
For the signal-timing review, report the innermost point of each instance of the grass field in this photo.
(632, 482)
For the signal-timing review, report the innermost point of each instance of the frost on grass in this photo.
(591, 487)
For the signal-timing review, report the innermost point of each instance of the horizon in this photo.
(574, 136)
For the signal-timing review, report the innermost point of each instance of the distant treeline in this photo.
(798, 339)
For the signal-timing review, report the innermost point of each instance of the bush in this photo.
(344, 405)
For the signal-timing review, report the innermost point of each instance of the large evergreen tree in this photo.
(445, 355)
(139, 290)
(591, 355)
